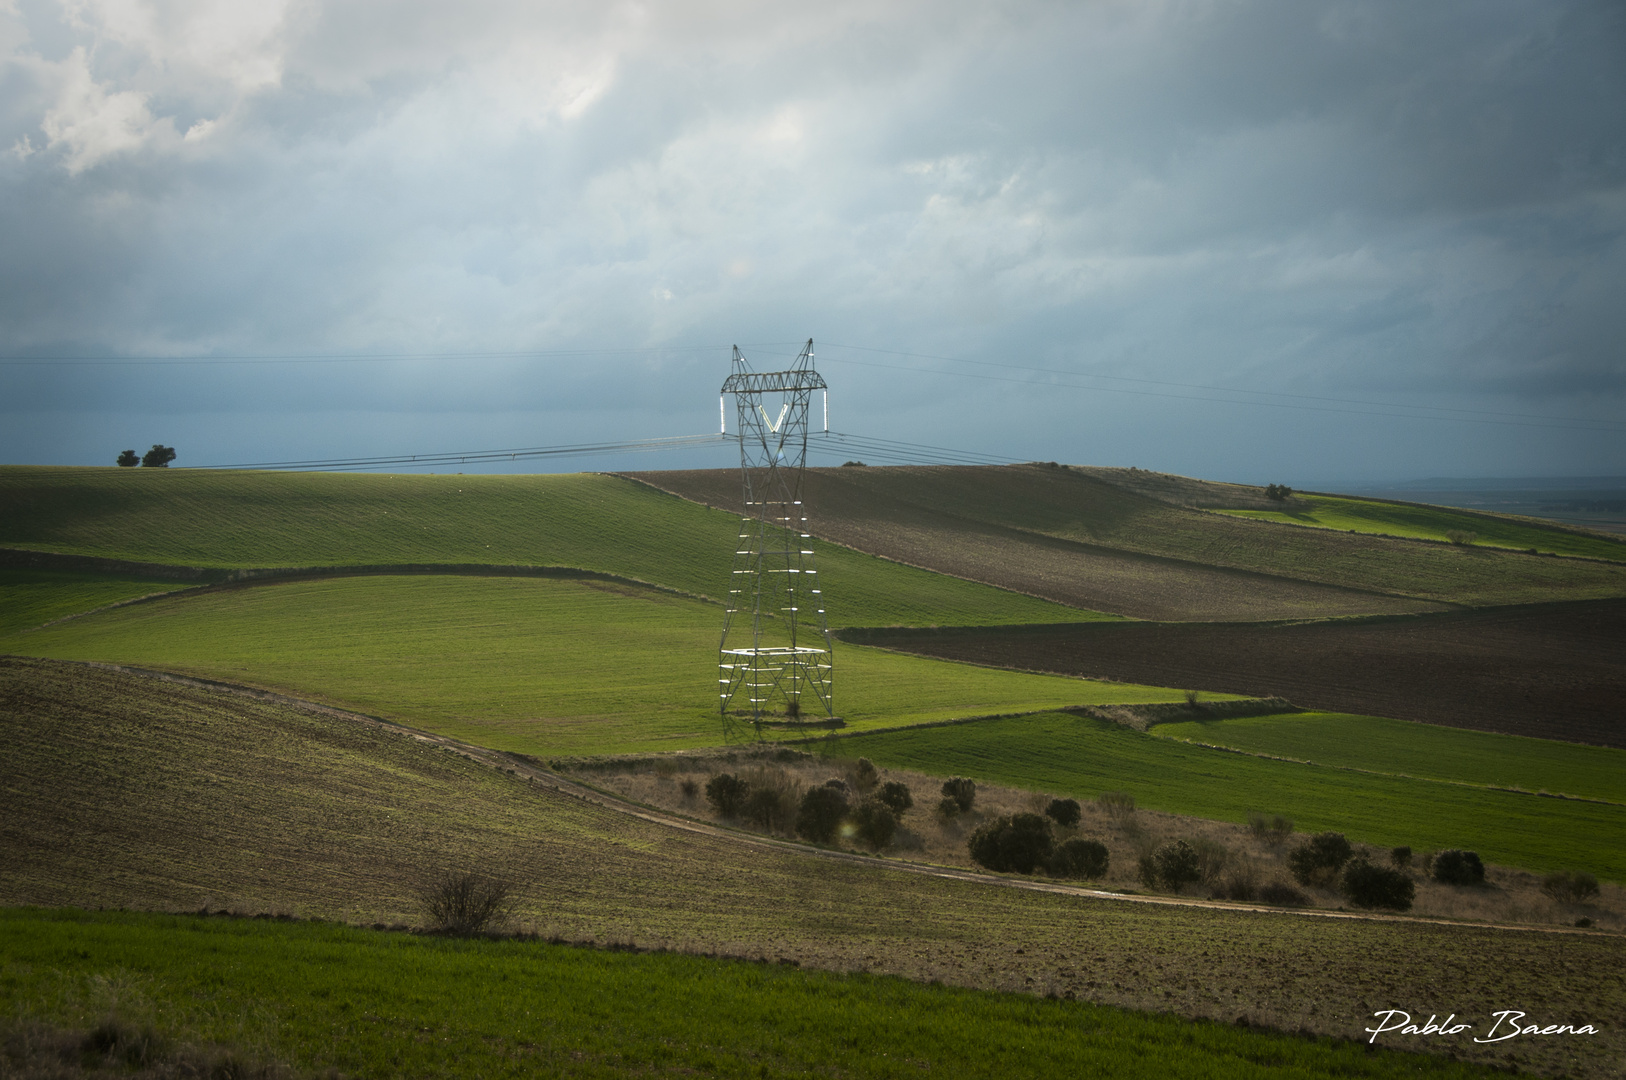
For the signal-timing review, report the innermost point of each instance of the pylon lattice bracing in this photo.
(776, 649)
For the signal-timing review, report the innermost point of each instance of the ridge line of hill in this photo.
(522, 765)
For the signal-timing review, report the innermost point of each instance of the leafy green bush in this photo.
(895, 795)
(1369, 886)
(1018, 842)
(1318, 860)
(726, 793)
(874, 824)
(1078, 858)
(962, 790)
(821, 813)
(1064, 812)
(1570, 886)
(1455, 867)
(1175, 865)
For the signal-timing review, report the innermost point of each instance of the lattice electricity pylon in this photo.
(774, 583)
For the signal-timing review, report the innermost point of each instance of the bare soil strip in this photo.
(1552, 671)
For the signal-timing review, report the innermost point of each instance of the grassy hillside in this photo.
(35, 597)
(542, 666)
(128, 792)
(1398, 747)
(1083, 757)
(241, 520)
(1434, 523)
(385, 1005)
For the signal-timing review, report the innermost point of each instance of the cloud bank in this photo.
(1374, 206)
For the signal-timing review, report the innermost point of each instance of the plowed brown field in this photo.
(1554, 671)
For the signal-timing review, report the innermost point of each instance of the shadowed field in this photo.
(1075, 538)
(128, 792)
(1549, 671)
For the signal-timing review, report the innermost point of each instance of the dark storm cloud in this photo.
(1423, 201)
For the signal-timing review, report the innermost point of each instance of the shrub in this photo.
(1176, 864)
(820, 814)
(1271, 828)
(1369, 886)
(865, 776)
(690, 788)
(726, 793)
(947, 809)
(1400, 856)
(466, 903)
(768, 808)
(874, 824)
(1277, 492)
(1116, 803)
(1461, 537)
(1078, 858)
(835, 783)
(1570, 887)
(1318, 860)
(895, 795)
(1242, 883)
(962, 790)
(158, 457)
(1018, 842)
(1455, 867)
(1064, 812)
(128, 458)
(1281, 894)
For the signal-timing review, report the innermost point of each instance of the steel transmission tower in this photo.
(776, 647)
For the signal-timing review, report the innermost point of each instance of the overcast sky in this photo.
(1255, 241)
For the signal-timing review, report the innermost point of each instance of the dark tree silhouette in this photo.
(128, 458)
(158, 457)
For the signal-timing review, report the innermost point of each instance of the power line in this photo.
(355, 358)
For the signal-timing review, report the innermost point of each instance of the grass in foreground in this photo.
(234, 520)
(1435, 523)
(1401, 747)
(539, 666)
(1083, 757)
(380, 1004)
(129, 792)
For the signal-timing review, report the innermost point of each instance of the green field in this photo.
(1399, 747)
(378, 1004)
(536, 665)
(1435, 523)
(1083, 757)
(35, 597)
(236, 520)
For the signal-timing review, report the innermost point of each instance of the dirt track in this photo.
(1555, 671)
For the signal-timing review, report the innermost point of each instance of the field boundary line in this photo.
(503, 761)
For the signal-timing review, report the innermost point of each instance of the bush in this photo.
(1570, 887)
(158, 457)
(1272, 829)
(962, 791)
(690, 789)
(865, 776)
(1400, 856)
(128, 458)
(820, 814)
(1318, 860)
(726, 793)
(1455, 867)
(1078, 858)
(1281, 894)
(466, 903)
(1242, 883)
(1212, 858)
(1064, 812)
(895, 796)
(768, 809)
(1369, 886)
(1175, 865)
(1461, 537)
(874, 824)
(1278, 492)
(1019, 842)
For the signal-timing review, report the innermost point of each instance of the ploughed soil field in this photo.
(1553, 671)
